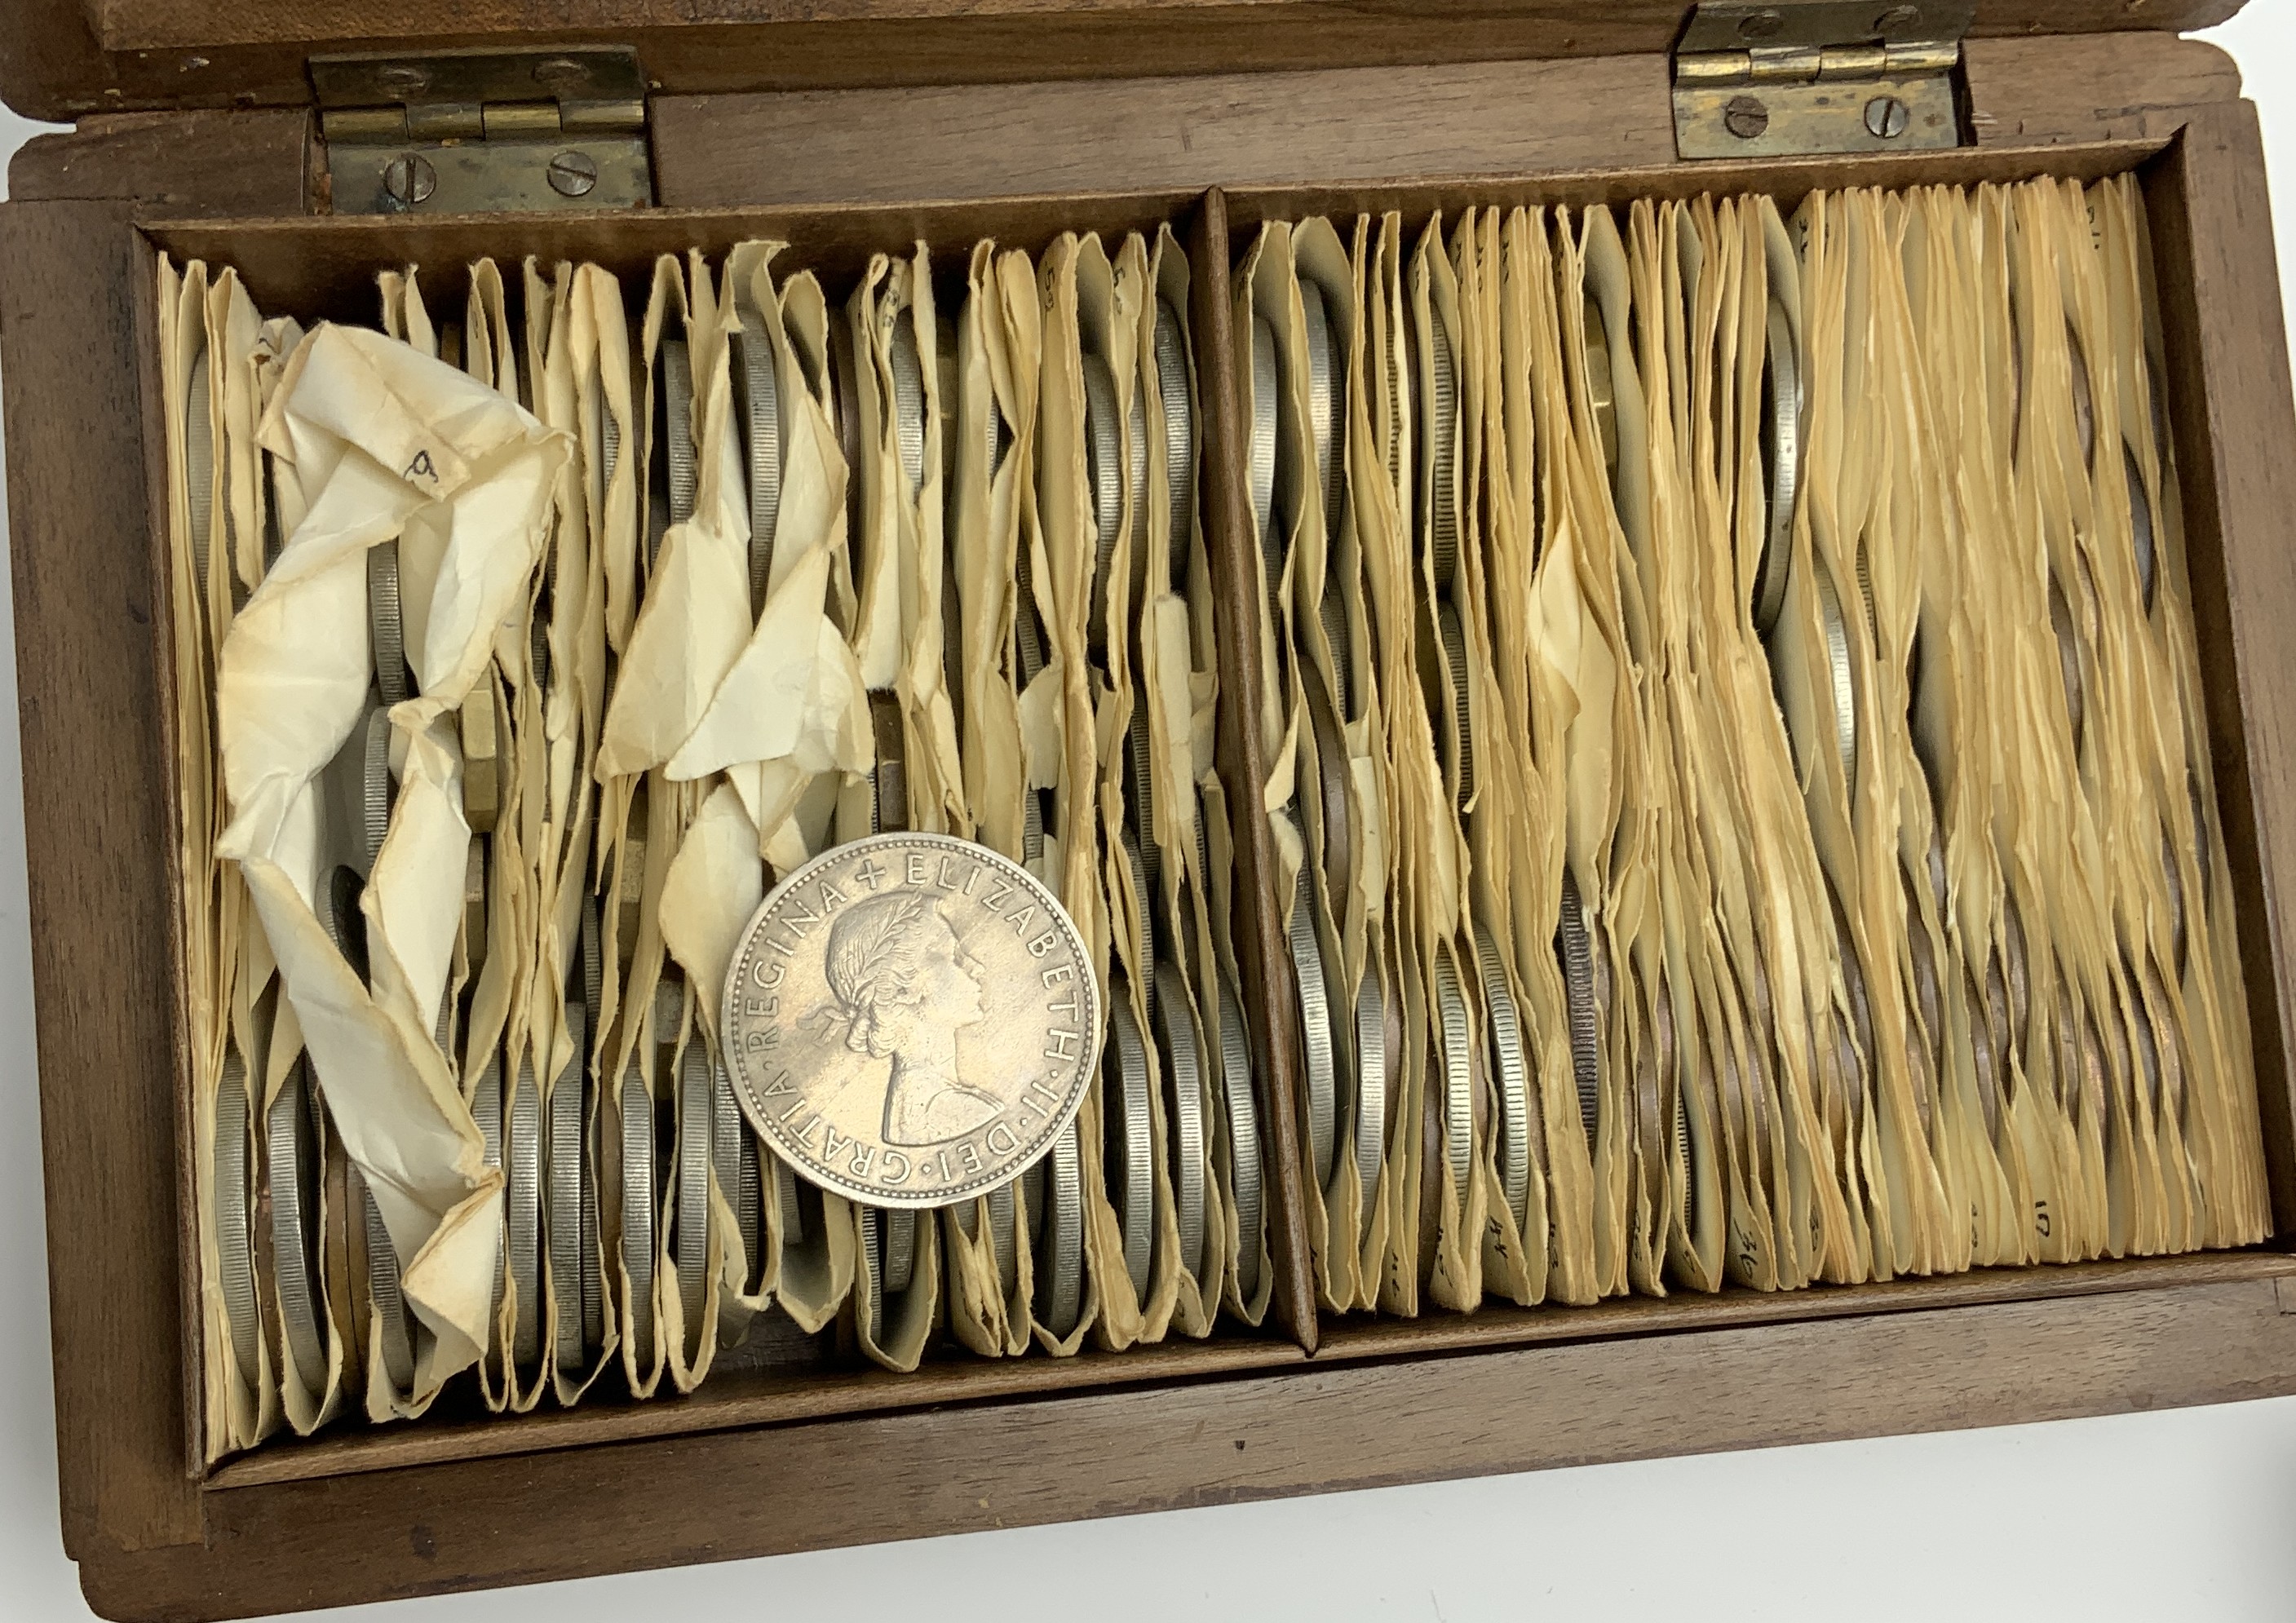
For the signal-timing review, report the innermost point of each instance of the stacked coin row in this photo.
(641, 1219)
(1555, 513)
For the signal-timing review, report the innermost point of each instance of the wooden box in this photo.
(865, 123)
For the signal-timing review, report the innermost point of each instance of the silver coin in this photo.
(728, 1134)
(1455, 653)
(639, 1194)
(1316, 1057)
(1060, 1278)
(1243, 1135)
(1140, 758)
(668, 1010)
(594, 1282)
(1845, 692)
(1455, 1053)
(293, 1174)
(1136, 463)
(386, 629)
(952, 606)
(970, 1071)
(1782, 408)
(1032, 829)
(1511, 1065)
(757, 387)
(2069, 663)
(1574, 948)
(889, 783)
(1263, 422)
(1171, 353)
(1334, 617)
(675, 382)
(562, 1215)
(610, 437)
(198, 451)
(908, 403)
(1371, 1083)
(1129, 1132)
(1002, 1216)
(1141, 886)
(899, 1229)
(2084, 404)
(594, 960)
(2140, 522)
(1326, 403)
(396, 1331)
(234, 1251)
(690, 1238)
(873, 1248)
(785, 1190)
(375, 787)
(1103, 482)
(748, 1195)
(1175, 1033)
(1443, 428)
(523, 1133)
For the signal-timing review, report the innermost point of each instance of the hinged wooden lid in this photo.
(64, 59)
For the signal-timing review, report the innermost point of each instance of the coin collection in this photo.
(521, 653)
(701, 831)
(1744, 809)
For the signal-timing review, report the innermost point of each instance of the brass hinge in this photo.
(1812, 76)
(484, 132)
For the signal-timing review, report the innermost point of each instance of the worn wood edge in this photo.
(742, 1405)
(53, 65)
(2234, 424)
(1354, 124)
(1331, 1427)
(1503, 1324)
(1266, 992)
(236, 163)
(144, 299)
(95, 844)
(168, 25)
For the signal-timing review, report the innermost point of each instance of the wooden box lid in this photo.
(62, 60)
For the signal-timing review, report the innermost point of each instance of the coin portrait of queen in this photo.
(904, 986)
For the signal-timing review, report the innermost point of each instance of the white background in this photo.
(2189, 1515)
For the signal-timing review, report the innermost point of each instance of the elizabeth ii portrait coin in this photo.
(911, 1020)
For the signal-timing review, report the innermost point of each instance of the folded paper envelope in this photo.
(382, 436)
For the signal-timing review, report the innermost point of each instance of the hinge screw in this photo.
(410, 180)
(558, 72)
(1761, 25)
(1886, 117)
(1745, 117)
(405, 78)
(572, 174)
(1898, 18)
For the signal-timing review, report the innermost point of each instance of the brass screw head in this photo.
(1745, 117)
(1886, 117)
(409, 180)
(572, 174)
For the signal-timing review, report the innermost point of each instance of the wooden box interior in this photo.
(805, 1460)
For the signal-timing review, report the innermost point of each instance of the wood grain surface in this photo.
(97, 831)
(54, 64)
(2235, 423)
(827, 1482)
(1385, 122)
